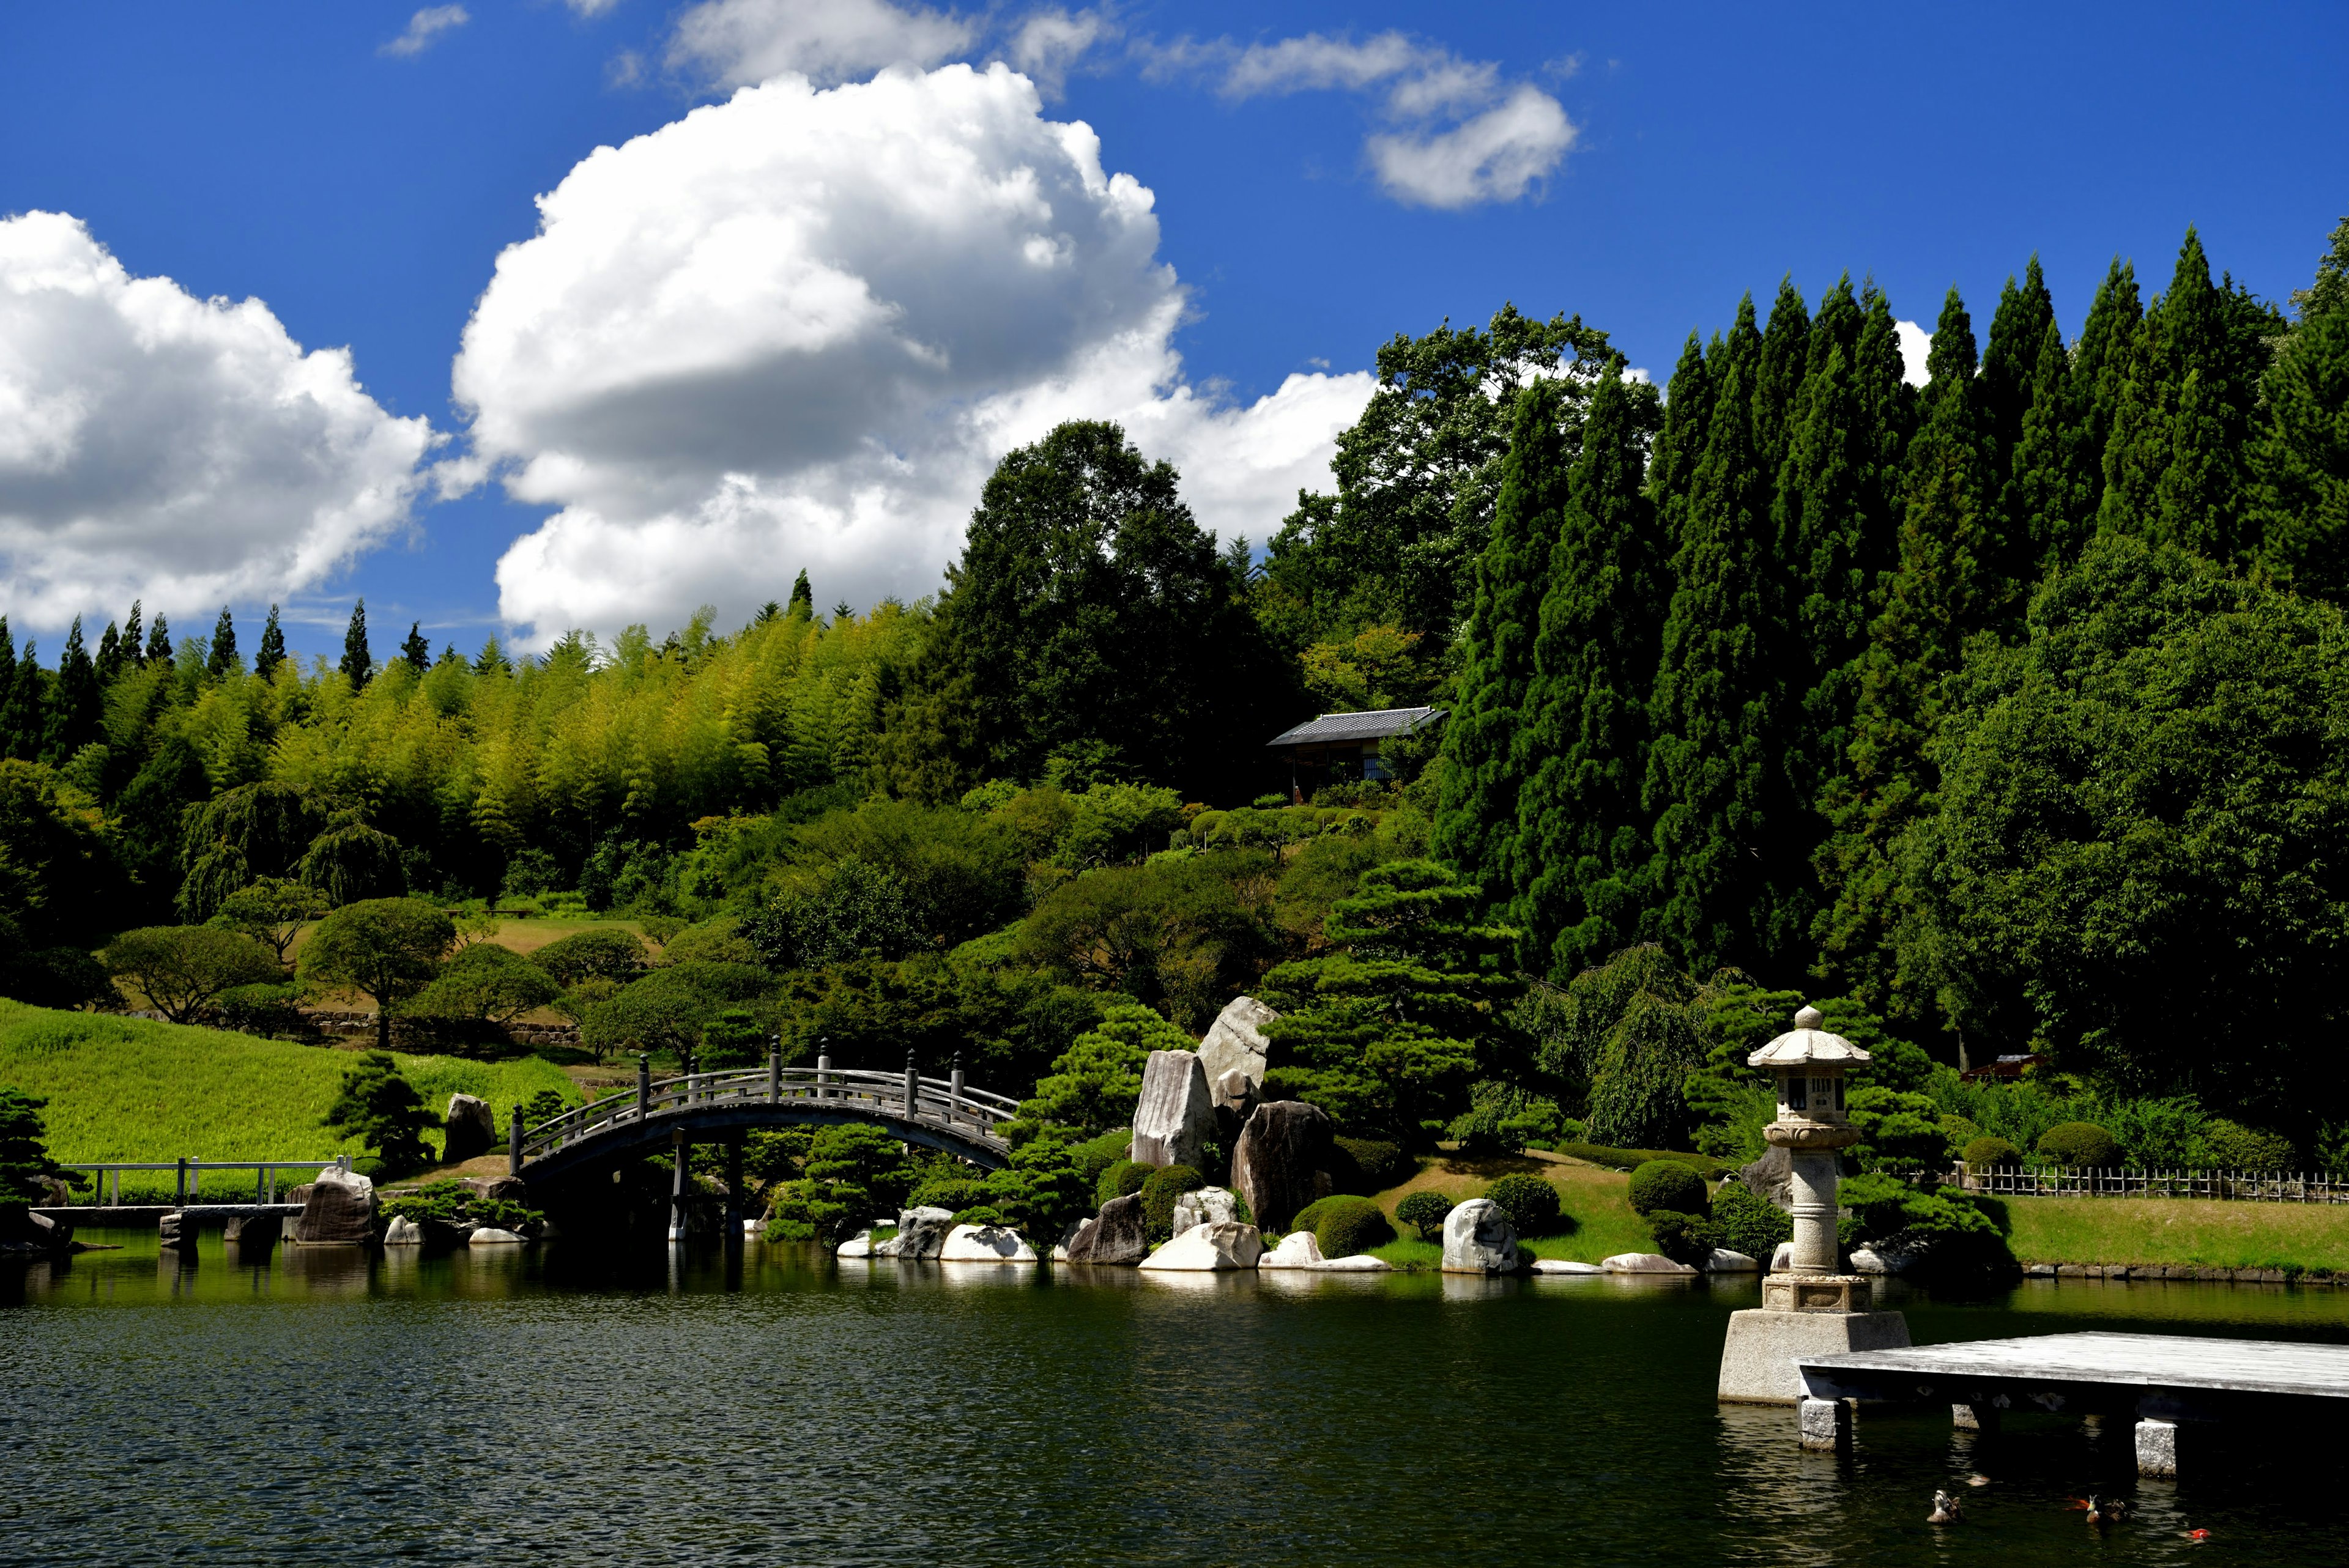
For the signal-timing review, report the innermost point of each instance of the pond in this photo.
(538, 1405)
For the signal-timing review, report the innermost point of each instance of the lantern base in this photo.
(1757, 1359)
(1817, 1292)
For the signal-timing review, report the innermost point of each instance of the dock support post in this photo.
(2157, 1447)
(643, 1086)
(1974, 1418)
(513, 1143)
(1825, 1424)
(734, 1191)
(676, 1186)
(180, 1193)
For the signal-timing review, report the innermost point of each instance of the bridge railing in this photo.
(938, 1102)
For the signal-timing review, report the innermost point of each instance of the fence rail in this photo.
(946, 1103)
(189, 1175)
(2239, 1186)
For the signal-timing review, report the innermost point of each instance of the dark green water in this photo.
(539, 1407)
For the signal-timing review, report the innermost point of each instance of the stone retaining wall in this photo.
(2182, 1271)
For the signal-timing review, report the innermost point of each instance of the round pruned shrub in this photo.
(1667, 1184)
(1159, 1191)
(2234, 1147)
(1683, 1238)
(1346, 1225)
(2080, 1144)
(1989, 1150)
(1380, 1164)
(1749, 1223)
(1530, 1203)
(1120, 1179)
(1424, 1212)
(979, 1214)
(952, 1193)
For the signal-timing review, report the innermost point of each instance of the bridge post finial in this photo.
(913, 1085)
(954, 1090)
(644, 1085)
(513, 1143)
(774, 1069)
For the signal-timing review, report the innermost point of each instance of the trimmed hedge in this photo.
(952, 1193)
(1164, 1186)
(1990, 1149)
(1120, 1179)
(2079, 1144)
(1095, 1155)
(1750, 1224)
(1530, 1203)
(1379, 1165)
(1685, 1238)
(1424, 1211)
(1344, 1224)
(1667, 1184)
(1711, 1170)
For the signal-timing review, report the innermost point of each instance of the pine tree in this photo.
(2100, 365)
(159, 643)
(26, 716)
(2009, 371)
(1688, 414)
(1476, 811)
(1937, 598)
(7, 686)
(492, 659)
(2303, 461)
(2049, 499)
(1582, 848)
(2328, 293)
(1778, 378)
(74, 706)
(358, 660)
(224, 650)
(802, 604)
(109, 655)
(1888, 416)
(415, 649)
(1715, 781)
(134, 652)
(1818, 523)
(272, 652)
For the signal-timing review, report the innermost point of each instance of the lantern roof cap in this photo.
(1806, 1042)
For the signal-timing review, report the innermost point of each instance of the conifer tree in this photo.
(1818, 523)
(1778, 378)
(134, 652)
(2100, 365)
(2050, 496)
(23, 723)
(802, 604)
(492, 659)
(109, 655)
(1688, 413)
(1476, 811)
(358, 660)
(1583, 845)
(1715, 781)
(2010, 363)
(1937, 598)
(272, 652)
(7, 686)
(224, 650)
(415, 649)
(74, 705)
(1888, 419)
(2303, 459)
(159, 643)
(2328, 293)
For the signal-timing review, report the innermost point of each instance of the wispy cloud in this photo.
(423, 28)
(1047, 45)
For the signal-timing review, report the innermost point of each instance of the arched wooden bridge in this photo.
(721, 1107)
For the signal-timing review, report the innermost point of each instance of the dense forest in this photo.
(2009, 714)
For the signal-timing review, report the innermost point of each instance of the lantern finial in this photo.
(1809, 1018)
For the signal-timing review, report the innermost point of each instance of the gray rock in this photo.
(1206, 1206)
(1479, 1239)
(1643, 1264)
(491, 1237)
(1783, 1259)
(340, 1208)
(249, 1231)
(985, 1245)
(920, 1234)
(470, 1128)
(1177, 1114)
(1203, 1248)
(173, 1230)
(1771, 1177)
(1297, 1250)
(1564, 1266)
(1235, 1100)
(24, 1234)
(1359, 1263)
(1723, 1260)
(1235, 1042)
(1281, 1161)
(859, 1245)
(403, 1232)
(1115, 1235)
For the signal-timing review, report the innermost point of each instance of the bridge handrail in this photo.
(936, 1100)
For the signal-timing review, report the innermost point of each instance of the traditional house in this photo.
(1345, 745)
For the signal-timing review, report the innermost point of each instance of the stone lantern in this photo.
(1809, 1308)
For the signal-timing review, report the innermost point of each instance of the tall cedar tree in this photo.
(2010, 363)
(1728, 864)
(2303, 459)
(23, 721)
(159, 643)
(1688, 416)
(272, 652)
(1091, 620)
(109, 655)
(2176, 459)
(415, 649)
(358, 660)
(2049, 502)
(802, 604)
(1476, 803)
(1417, 476)
(134, 652)
(7, 690)
(1581, 858)
(1937, 598)
(2100, 364)
(75, 713)
(223, 658)
(1778, 378)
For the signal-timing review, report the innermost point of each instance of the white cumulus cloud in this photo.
(1047, 43)
(738, 43)
(1916, 350)
(797, 329)
(423, 28)
(186, 450)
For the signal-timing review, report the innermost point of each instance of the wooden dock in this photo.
(2161, 1379)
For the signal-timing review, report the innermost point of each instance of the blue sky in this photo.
(296, 156)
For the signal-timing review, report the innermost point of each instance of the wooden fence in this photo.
(2240, 1186)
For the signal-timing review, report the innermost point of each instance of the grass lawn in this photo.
(1597, 1200)
(133, 1090)
(2197, 1231)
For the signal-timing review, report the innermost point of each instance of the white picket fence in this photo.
(2242, 1186)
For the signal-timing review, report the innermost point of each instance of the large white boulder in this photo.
(1643, 1264)
(1175, 1116)
(1230, 1245)
(1723, 1260)
(1206, 1206)
(1359, 1263)
(1297, 1250)
(491, 1237)
(985, 1245)
(1479, 1239)
(403, 1232)
(1235, 1042)
(859, 1245)
(920, 1234)
(1564, 1266)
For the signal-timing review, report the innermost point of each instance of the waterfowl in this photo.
(1945, 1510)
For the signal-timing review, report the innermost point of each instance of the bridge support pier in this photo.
(676, 1148)
(734, 1190)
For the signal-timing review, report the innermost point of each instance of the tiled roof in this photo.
(1342, 727)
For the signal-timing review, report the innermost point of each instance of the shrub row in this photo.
(1711, 1170)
